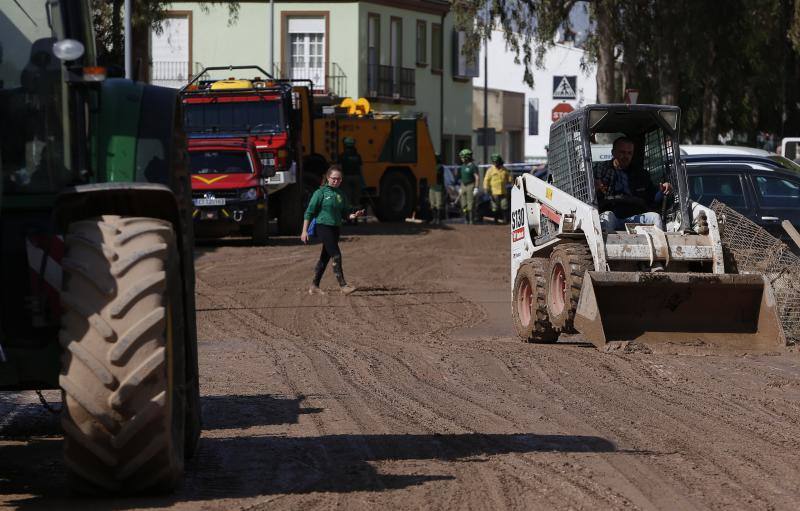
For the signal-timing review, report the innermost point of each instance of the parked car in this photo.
(765, 188)
(705, 149)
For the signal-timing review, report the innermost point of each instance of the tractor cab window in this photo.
(220, 162)
(261, 116)
(34, 145)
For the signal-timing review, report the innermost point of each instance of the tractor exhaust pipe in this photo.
(735, 311)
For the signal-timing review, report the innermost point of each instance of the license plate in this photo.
(209, 202)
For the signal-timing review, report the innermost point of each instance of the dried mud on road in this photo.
(414, 393)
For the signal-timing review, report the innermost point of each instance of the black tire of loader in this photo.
(123, 364)
(574, 260)
(530, 279)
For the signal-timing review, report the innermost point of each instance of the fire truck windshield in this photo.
(239, 117)
(220, 162)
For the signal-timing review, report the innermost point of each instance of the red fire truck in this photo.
(266, 113)
(296, 139)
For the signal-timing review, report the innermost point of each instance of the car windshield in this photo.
(785, 163)
(241, 116)
(220, 162)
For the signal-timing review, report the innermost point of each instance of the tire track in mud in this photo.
(412, 410)
(467, 400)
(679, 422)
(419, 380)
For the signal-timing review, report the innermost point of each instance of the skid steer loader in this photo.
(641, 283)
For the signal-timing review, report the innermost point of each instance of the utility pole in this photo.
(128, 40)
(485, 99)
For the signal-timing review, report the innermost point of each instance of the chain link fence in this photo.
(749, 248)
(567, 161)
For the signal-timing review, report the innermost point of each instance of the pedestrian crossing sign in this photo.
(564, 87)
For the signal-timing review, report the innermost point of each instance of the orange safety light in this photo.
(94, 73)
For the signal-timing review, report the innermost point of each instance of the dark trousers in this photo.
(329, 236)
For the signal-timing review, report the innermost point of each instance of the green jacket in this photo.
(328, 205)
(466, 173)
(351, 162)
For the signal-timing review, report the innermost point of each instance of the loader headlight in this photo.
(249, 194)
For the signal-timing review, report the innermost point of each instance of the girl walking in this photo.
(329, 205)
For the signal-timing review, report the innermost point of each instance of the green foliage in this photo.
(732, 66)
(528, 26)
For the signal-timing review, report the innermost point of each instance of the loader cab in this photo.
(584, 142)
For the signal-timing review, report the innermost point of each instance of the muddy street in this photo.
(414, 392)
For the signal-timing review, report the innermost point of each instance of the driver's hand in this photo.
(600, 186)
(666, 188)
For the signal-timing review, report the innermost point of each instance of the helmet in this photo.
(465, 153)
(349, 141)
(496, 158)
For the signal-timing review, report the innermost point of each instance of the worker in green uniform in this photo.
(436, 193)
(495, 182)
(351, 164)
(469, 178)
(328, 205)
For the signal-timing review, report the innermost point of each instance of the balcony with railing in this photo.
(174, 74)
(391, 83)
(331, 82)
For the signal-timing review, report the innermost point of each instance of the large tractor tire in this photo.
(123, 366)
(529, 309)
(397, 198)
(568, 263)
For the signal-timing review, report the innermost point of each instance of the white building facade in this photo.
(521, 115)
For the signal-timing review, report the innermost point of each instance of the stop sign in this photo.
(560, 110)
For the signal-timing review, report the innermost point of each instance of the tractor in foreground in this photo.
(97, 295)
(637, 281)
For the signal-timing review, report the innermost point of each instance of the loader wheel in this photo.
(529, 310)
(123, 362)
(568, 263)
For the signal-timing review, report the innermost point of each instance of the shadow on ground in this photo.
(241, 412)
(250, 466)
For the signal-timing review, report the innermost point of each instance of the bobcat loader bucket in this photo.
(731, 311)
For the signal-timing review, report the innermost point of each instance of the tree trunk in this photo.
(140, 48)
(710, 112)
(116, 31)
(668, 64)
(605, 51)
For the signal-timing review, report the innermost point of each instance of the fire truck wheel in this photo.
(123, 362)
(567, 265)
(396, 201)
(528, 309)
(260, 234)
